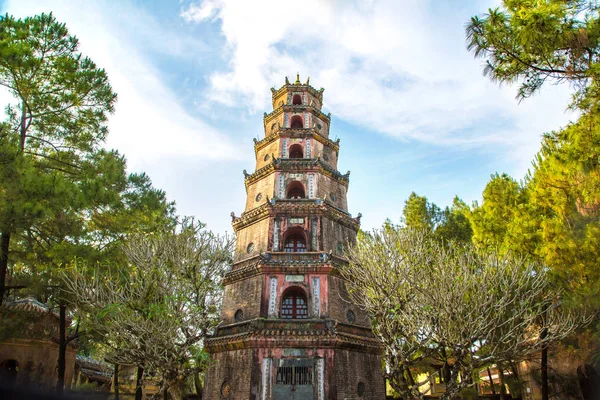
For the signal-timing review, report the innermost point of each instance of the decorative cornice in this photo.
(293, 208)
(268, 117)
(294, 88)
(289, 263)
(296, 164)
(295, 133)
(271, 333)
(262, 268)
(251, 216)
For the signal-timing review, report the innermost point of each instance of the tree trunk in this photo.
(516, 378)
(116, 381)
(589, 381)
(544, 361)
(174, 389)
(23, 130)
(502, 385)
(4, 243)
(62, 349)
(491, 381)
(138, 383)
(198, 384)
(544, 366)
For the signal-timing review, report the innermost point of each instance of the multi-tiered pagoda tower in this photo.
(288, 330)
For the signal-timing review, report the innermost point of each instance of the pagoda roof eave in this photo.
(259, 144)
(303, 333)
(288, 107)
(292, 87)
(303, 164)
(292, 207)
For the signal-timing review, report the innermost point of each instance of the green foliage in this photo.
(53, 167)
(555, 215)
(419, 213)
(501, 198)
(455, 225)
(62, 196)
(565, 187)
(450, 224)
(535, 41)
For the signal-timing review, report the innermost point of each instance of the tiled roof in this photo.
(31, 304)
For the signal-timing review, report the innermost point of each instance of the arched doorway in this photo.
(296, 151)
(295, 243)
(296, 122)
(297, 99)
(294, 304)
(295, 190)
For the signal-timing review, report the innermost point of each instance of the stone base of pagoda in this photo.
(288, 360)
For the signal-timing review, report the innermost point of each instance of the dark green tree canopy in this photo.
(534, 42)
(63, 97)
(449, 224)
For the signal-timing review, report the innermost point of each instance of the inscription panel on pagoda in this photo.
(284, 148)
(273, 297)
(266, 378)
(316, 297)
(311, 186)
(276, 233)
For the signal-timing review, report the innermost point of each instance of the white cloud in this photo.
(149, 126)
(395, 67)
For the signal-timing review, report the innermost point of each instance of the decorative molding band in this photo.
(317, 93)
(296, 164)
(296, 338)
(295, 207)
(295, 133)
(293, 108)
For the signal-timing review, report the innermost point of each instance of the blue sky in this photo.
(409, 103)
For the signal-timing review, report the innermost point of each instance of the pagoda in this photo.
(289, 330)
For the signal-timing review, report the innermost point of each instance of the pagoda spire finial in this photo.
(297, 79)
(307, 81)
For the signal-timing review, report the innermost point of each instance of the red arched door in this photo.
(296, 151)
(295, 244)
(293, 306)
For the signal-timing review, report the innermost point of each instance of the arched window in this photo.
(294, 304)
(296, 151)
(295, 190)
(297, 99)
(295, 244)
(297, 122)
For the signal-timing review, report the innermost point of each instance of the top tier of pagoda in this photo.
(302, 100)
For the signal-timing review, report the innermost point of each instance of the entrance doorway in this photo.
(294, 380)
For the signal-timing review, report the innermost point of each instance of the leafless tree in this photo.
(439, 304)
(157, 311)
